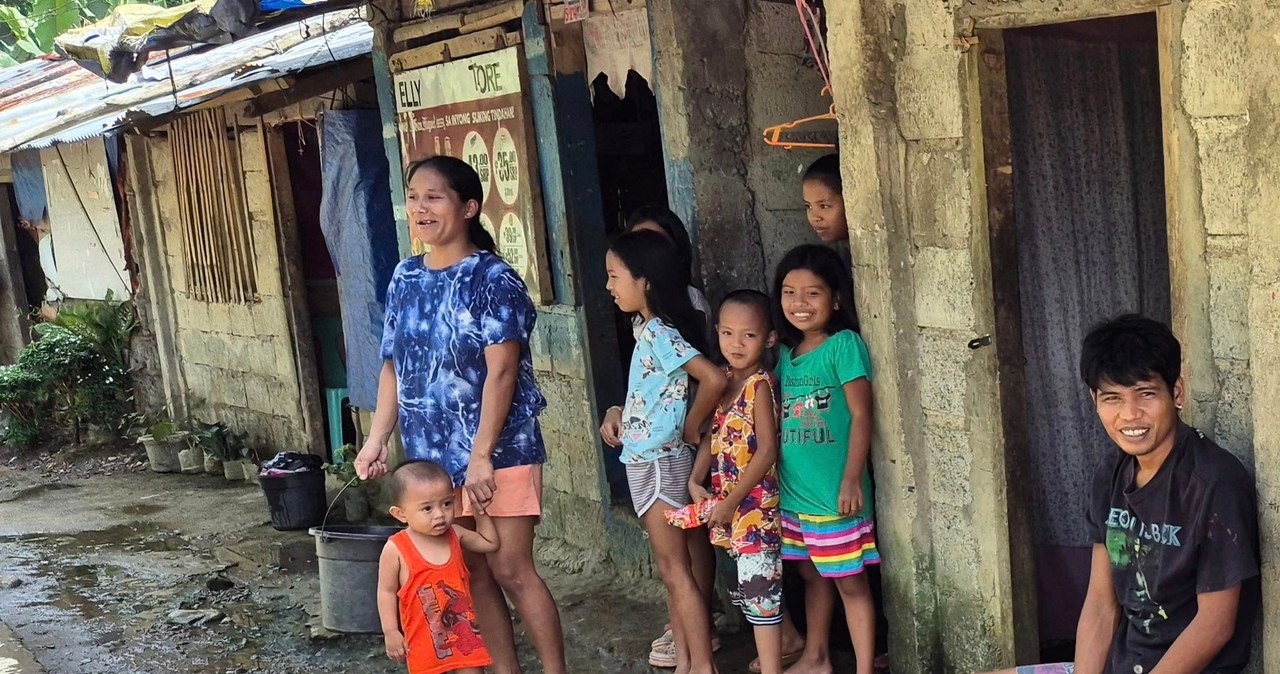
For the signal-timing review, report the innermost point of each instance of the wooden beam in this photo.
(427, 27)
(471, 21)
(6, 170)
(313, 85)
(455, 48)
(417, 58)
(13, 289)
(476, 43)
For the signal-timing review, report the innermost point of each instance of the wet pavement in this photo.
(100, 563)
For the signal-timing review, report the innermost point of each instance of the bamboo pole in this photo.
(184, 221)
(238, 204)
(239, 224)
(200, 233)
(213, 141)
(200, 187)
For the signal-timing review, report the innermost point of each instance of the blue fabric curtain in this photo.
(360, 233)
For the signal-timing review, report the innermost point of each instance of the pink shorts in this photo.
(518, 494)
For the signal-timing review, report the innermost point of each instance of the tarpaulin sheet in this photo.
(118, 45)
(360, 232)
(28, 185)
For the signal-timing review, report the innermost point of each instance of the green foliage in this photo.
(108, 325)
(23, 399)
(345, 469)
(76, 372)
(216, 438)
(28, 27)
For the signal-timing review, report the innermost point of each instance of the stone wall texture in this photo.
(906, 96)
(235, 362)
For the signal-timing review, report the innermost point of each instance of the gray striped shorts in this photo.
(665, 478)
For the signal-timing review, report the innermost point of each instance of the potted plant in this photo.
(164, 442)
(191, 459)
(233, 453)
(250, 465)
(212, 439)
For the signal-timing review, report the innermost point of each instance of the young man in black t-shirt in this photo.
(1174, 585)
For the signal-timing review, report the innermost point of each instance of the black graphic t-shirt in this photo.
(1192, 529)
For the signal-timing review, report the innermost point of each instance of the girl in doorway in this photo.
(665, 222)
(828, 523)
(659, 427)
(824, 199)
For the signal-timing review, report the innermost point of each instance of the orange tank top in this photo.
(437, 615)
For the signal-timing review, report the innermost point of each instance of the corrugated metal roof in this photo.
(43, 102)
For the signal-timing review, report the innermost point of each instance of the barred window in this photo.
(216, 241)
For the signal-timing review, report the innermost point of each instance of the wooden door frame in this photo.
(992, 158)
(293, 281)
(13, 287)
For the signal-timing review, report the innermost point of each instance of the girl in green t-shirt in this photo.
(827, 519)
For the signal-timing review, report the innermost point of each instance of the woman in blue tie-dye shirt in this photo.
(458, 378)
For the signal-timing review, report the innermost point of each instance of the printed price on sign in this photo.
(575, 10)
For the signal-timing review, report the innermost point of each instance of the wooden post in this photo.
(992, 99)
(387, 110)
(294, 284)
(13, 290)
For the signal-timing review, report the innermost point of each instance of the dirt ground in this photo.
(97, 553)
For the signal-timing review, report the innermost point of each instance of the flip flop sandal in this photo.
(663, 656)
(666, 638)
(788, 659)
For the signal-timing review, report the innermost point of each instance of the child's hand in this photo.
(697, 492)
(692, 435)
(850, 496)
(396, 648)
(721, 515)
(611, 427)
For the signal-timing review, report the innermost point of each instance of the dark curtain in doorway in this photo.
(1089, 203)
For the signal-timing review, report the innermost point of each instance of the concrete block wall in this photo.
(574, 491)
(236, 360)
(783, 85)
(725, 73)
(922, 270)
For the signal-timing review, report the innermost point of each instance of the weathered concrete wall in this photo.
(783, 85)
(235, 361)
(725, 72)
(908, 123)
(574, 491)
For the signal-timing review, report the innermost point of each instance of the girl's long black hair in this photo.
(669, 222)
(829, 266)
(464, 181)
(649, 255)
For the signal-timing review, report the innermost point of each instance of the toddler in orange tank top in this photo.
(424, 589)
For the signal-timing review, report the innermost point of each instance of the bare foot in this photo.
(807, 666)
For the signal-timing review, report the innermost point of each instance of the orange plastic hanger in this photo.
(773, 134)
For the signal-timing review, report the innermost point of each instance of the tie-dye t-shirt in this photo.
(438, 323)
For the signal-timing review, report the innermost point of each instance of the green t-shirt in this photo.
(815, 424)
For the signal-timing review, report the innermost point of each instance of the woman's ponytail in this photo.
(465, 182)
(480, 237)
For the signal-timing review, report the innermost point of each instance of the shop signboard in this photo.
(475, 109)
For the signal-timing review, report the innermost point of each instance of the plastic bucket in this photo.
(348, 559)
(295, 501)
